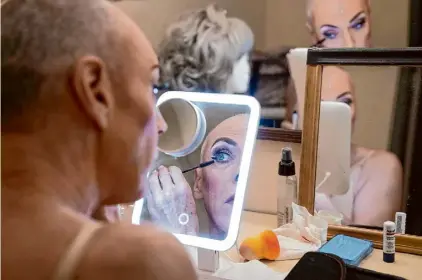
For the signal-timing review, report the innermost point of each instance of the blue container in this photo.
(351, 250)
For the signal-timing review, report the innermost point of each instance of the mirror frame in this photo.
(279, 135)
(317, 58)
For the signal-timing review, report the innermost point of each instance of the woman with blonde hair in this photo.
(206, 51)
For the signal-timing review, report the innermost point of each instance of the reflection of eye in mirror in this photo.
(346, 100)
(186, 127)
(224, 150)
(329, 33)
(222, 155)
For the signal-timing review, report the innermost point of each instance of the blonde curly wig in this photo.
(200, 49)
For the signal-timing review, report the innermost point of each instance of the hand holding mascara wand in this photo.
(202, 165)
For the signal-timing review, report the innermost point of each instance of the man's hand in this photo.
(170, 201)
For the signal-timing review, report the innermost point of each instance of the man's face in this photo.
(342, 23)
(129, 144)
(225, 145)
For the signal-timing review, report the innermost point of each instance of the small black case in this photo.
(323, 266)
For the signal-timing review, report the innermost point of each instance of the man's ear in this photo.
(92, 88)
(198, 184)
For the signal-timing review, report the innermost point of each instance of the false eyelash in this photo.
(347, 101)
(221, 150)
(361, 21)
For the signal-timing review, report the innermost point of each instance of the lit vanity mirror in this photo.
(198, 181)
(381, 89)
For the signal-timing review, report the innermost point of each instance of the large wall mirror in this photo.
(382, 146)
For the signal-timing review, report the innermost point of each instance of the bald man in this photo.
(79, 130)
(339, 23)
(375, 192)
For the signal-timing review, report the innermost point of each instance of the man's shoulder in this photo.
(136, 252)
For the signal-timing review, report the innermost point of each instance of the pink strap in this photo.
(70, 260)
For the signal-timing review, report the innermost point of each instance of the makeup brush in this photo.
(202, 165)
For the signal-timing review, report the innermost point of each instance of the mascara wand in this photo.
(319, 44)
(202, 165)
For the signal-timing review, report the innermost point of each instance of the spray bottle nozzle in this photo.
(286, 167)
(286, 155)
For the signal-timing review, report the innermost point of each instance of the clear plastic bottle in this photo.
(287, 188)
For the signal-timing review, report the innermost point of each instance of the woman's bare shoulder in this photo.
(377, 159)
(124, 251)
(385, 160)
(379, 167)
(383, 169)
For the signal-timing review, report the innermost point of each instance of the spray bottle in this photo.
(287, 188)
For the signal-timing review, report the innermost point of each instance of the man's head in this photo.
(77, 78)
(216, 184)
(340, 23)
(337, 86)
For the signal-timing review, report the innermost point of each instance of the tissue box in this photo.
(351, 250)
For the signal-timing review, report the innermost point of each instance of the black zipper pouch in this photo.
(323, 266)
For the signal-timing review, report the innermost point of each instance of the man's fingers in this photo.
(184, 196)
(180, 183)
(155, 187)
(166, 181)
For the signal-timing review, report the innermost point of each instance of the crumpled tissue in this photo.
(291, 241)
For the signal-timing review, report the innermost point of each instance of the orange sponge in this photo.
(263, 246)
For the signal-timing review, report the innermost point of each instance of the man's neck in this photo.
(38, 173)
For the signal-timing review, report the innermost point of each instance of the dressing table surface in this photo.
(407, 266)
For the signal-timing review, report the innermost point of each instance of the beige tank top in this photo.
(72, 257)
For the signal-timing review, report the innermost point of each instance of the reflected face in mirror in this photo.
(340, 23)
(216, 184)
(337, 86)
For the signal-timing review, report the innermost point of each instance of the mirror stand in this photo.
(208, 260)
